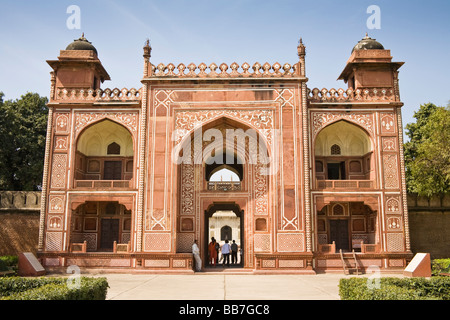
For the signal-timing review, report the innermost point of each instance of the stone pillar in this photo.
(142, 141)
(301, 50)
(45, 179)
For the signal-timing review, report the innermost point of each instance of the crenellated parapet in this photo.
(352, 95)
(234, 70)
(98, 95)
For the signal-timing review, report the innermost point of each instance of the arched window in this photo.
(335, 149)
(338, 210)
(225, 233)
(113, 148)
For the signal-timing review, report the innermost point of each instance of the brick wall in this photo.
(429, 225)
(19, 222)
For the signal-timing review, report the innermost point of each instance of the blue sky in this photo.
(416, 32)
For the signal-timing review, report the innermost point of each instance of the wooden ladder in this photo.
(347, 269)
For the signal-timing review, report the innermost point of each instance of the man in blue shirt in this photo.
(226, 249)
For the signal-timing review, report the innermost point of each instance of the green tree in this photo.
(23, 125)
(427, 153)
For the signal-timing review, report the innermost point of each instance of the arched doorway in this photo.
(224, 221)
(223, 161)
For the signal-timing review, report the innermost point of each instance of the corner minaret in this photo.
(78, 67)
(370, 66)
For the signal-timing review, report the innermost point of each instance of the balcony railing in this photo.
(98, 95)
(224, 186)
(104, 184)
(352, 95)
(345, 184)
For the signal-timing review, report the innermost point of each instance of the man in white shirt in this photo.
(226, 253)
(196, 253)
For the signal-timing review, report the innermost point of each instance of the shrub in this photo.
(435, 288)
(3, 266)
(439, 266)
(10, 261)
(52, 289)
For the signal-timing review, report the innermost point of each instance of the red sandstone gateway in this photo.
(314, 179)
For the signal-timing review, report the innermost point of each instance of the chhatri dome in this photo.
(81, 44)
(367, 43)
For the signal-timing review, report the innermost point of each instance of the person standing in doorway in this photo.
(196, 253)
(234, 250)
(212, 252)
(226, 253)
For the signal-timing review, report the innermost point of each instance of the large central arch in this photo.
(220, 139)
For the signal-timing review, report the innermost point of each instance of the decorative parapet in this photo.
(99, 95)
(224, 71)
(351, 95)
(20, 200)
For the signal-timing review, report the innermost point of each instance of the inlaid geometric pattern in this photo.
(290, 242)
(266, 263)
(157, 242)
(59, 165)
(394, 242)
(290, 263)
(178, 263)
(390, 171)
(51, 262)
(185, 242)
(120, 262)
(53, 241)
(396, 263)
(262, 242)
(164, 263)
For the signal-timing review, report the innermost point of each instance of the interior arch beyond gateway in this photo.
(224, 221)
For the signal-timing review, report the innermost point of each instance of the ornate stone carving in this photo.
(59, 165)
(390, 169)
(262, 120)
(322, 119)
(128, 120)
(187, 189)
(61, 123)
(387, 123)
(290, 242)
(56, 204)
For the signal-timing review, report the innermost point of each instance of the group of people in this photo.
(226, 250)
(214, 249)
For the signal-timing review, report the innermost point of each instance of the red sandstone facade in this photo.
(126, 175)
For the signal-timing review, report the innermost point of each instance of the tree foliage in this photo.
(427, 154)
(23, 125)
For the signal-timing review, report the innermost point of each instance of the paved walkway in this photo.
(207, 286)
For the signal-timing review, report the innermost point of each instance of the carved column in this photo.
(301, 50)
(45, 180)
(403, 178)
(142, 140)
